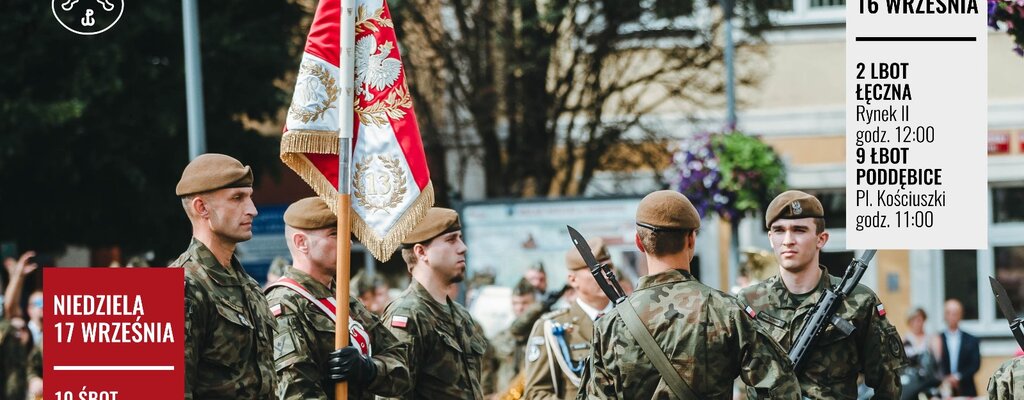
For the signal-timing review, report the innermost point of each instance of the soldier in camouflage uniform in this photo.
(1008, 381)
(703, 332)
(829, 371)
(503, 370)
(304, 351)
(12, 363)
(228, 327)
(546, 301)
(549, 374)
(445, 345)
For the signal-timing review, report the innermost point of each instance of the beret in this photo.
(310, 213)
(437, 222)
(574, 260)
(213, 171)
(793, 204)
(667, 210)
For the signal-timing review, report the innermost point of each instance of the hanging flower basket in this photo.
(730, 174)
(1008, 15)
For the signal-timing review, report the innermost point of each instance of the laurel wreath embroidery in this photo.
(394, 168)
(392, 107)
(328, 82)
(366, 23)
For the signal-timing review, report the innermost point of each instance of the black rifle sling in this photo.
(654, 353)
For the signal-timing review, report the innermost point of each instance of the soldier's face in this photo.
(537, 279)
(521, 303)
(229, 213)
(795, 243)
(323, 249)
(446, 255)
(586, 287)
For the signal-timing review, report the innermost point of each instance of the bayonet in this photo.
(602, 273)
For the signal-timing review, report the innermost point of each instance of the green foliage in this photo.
(750, 168)
(94, 128)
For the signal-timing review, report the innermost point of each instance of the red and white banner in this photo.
(391, 188)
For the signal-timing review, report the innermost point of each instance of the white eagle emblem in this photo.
(374, 69)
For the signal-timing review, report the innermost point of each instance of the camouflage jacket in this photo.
(446, 346)
(305, 336)
(505, 362)
(521, 325)
(12, 363)
(546, 378)
(1008, 381)
(831, 366)
(704, 333)
(228, 330)
(35, 363)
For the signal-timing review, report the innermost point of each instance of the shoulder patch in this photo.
(750, 311)
(881, 310)
(399, 321)
(533, 351)
(275, 309)
(283, 346)
(895, 346)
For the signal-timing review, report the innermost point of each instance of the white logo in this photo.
(87, 17)
(797, 210)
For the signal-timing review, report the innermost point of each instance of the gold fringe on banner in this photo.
(383, 248)
(318, 142)
(295, 143)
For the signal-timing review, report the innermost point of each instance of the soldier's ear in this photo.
(198, 205)
(301, 242)
(822, 239)
(419, 250)
(691, 239)
(639, 244)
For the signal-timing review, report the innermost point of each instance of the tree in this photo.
(94, 128)
(540, 92)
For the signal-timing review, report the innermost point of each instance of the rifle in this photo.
(602, 272)
(824, 312)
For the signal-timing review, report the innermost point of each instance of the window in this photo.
(808, 12)
(961, 279)
(1009, 263)
(827, 3)
(965, 273)
(1008, 204)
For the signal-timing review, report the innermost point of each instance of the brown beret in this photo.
(310, 213)
(213, 171)
(793, 204)
(667, 210)
(574, 261)
(437, 222)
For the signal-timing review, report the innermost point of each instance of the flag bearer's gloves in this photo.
(348, 364)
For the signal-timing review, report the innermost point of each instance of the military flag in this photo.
(391, 188)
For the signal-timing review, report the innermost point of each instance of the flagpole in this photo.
(344, 206)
